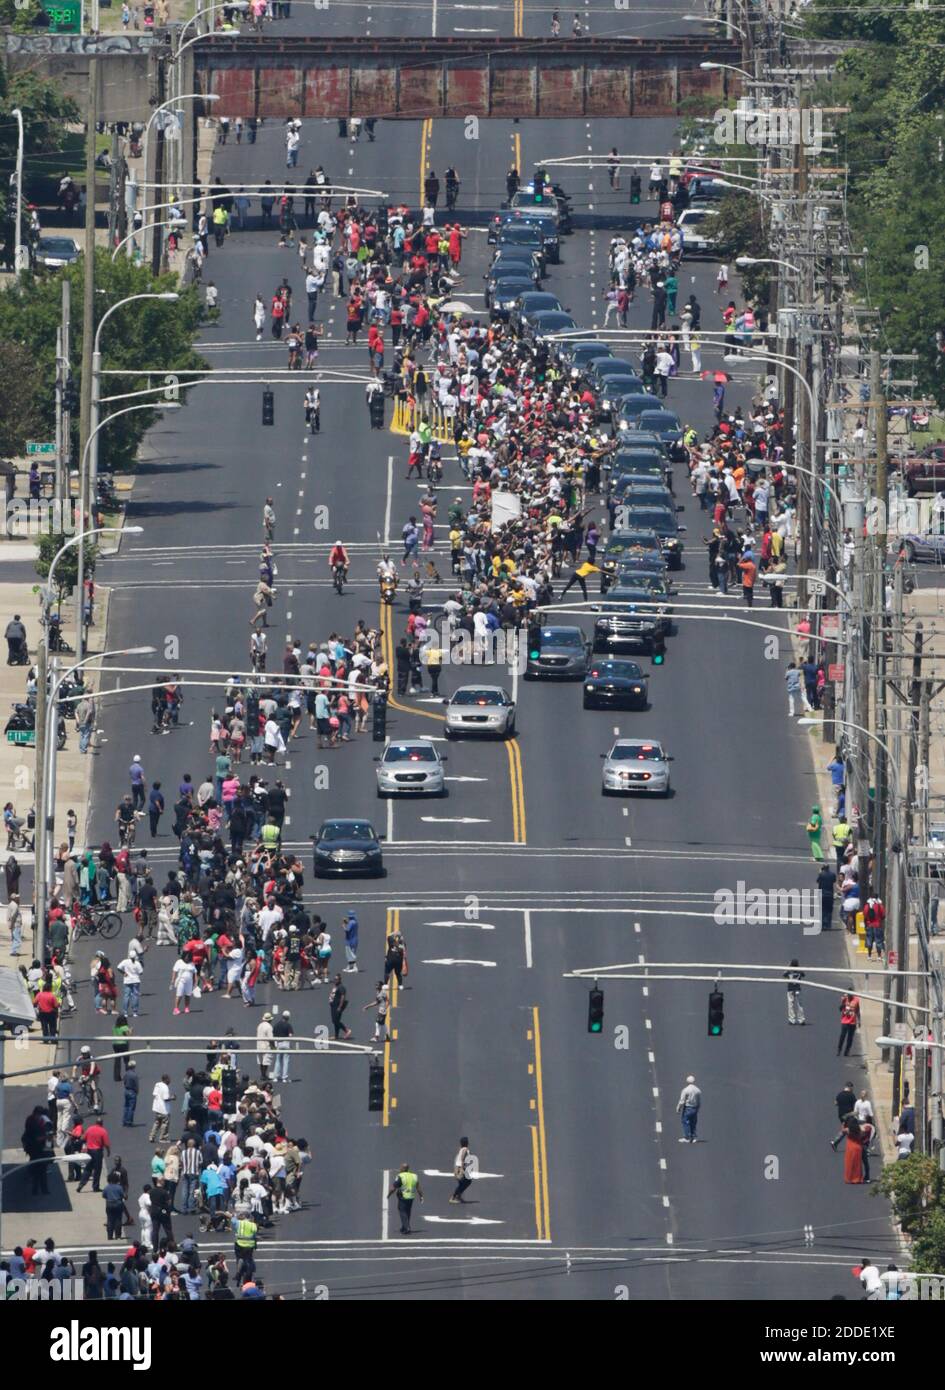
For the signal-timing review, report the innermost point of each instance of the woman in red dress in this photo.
(853, 1152)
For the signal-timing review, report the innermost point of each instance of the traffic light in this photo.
(716, 1013)
(659, 649)
(269, 408)
(595, 1011)
(376, 1084)
(379, 717)
(228, 1089)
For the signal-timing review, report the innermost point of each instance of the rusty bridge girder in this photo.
(411, 79)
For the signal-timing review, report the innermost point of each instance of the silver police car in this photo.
(410, 767)
(636, 765)
(480, 709)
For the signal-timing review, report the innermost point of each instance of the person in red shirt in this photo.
(277, 310)
(47, 1011)
(97, 1145)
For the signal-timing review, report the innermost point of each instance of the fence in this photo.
(409, 415)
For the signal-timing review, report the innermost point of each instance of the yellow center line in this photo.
(544, 1232)
(514, 753)
(536, 1169)
(518, 18)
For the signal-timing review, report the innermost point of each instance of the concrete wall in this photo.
(126, 77)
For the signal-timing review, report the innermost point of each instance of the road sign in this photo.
(835, 672)
(816, 583)
(65, 16)
(830, 625)
(46, 450)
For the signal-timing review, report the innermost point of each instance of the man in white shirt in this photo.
(132, 971)
(161, 1095)
(863, 1109)
(869, 1278)
(688, 1106)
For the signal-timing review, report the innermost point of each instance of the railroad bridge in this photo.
(412, 79)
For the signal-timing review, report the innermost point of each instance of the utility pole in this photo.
(63, 417)
(43, 812)
(88, 335)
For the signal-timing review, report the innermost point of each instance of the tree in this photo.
(916, 1186)
(737, 231)
(66, 576)
(46, 112)
(145, 333)
(21, 416)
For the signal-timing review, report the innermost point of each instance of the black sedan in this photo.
(347, 847)
(615, 685)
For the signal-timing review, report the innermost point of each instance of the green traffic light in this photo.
(715, 1030)
(657, 659)
(596, 1027)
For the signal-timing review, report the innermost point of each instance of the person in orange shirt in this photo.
(749, 573)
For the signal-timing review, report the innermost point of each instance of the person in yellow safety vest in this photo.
(270, 835)
(407, 1187)
(221, 224)
(841, 838)
(245, 1233)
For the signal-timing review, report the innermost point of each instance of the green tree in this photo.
(20, 417)
(147, 333)
(46, 113)
(66, 576)
(916, 1186)
(737, 230)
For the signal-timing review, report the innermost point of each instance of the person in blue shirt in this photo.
(838, 779)
(351, 943)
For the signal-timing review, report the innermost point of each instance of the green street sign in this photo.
(47, 450)
(65, 16)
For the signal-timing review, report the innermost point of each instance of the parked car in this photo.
(53, 252)
(925, 473)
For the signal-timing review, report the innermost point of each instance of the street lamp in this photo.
(765, 260)
(725, 67)
(714, 19)
(93, 435)
(139, 231)
(187, 96)
(46, 775)
(168, 296)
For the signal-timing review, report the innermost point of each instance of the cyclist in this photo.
(338, 556)
(86, 1073)
(313, 409)
(125, 820)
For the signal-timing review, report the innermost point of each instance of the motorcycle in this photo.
(388, 587)
(338, 578)
(20, 728)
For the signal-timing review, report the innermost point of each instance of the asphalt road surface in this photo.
(525, 871)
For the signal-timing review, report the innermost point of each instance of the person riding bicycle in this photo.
(125, 818)
(313, 409)
(338, 556)
(86, 1073)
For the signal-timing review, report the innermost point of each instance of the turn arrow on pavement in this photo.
(457, 820)
(450, 961)
(463, 1220)
(483, 926)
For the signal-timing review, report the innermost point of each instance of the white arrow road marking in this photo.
(463, 1220)
(450, 961)
(483, 926)
(467, 779)
(431, 699)
(456, 820)
(439, 1173)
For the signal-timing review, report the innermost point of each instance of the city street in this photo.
(524, 872)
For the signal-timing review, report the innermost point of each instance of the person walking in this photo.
(264, 1036)
(407, 1187)
(814, 828)
(795, 689)
(282, 1032)
(795, 1009)
(155, 808)
(874, 920)
(160, 1097)
(337, 1003)
(97, 1146)
(380, 1002)
(131, 972)
(827, 883)
(116, 1209)
(351, 943)
(845, 1101)
(464, 1167)
(131, 1089)
(849, 1021)
(688, 1106)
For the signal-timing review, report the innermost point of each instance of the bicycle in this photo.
(89, 1094)
(93, 921)
(128, 829)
